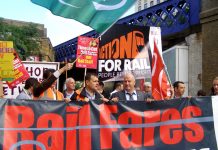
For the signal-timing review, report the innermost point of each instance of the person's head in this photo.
(201, 93)
(91, 82)
(147, 86)
(137, 88)
(70, 84)
(47, 73)
(30, 83)
(215, 86)
(119, 86)
(179, 88)
(129, 82)
(100, 86)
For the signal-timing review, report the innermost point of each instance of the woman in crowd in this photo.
(214, 89)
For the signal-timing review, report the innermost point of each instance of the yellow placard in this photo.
(6, 60)
(5, 57)
(1, 89)
(6, 66)
(6, 44)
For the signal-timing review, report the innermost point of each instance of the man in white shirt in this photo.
(118, 87)
(179, 89)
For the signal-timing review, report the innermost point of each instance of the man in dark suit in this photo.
(90, 91)
(129, 92)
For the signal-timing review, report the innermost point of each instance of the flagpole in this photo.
(76, 59)
(84, 76)
(1, 89)
(168, 76)
(66, 69)
(165, 69)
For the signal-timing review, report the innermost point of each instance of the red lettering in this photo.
(130, 137)
(71, 121)
(105, 119)
(85, 134)
(18, 117)
(171, 134)
(150, 117)
(51, 139)
(197, 132)
(138, 40)
(126, 46)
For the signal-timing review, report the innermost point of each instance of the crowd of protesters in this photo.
(93, 89)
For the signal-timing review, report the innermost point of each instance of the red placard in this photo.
(20, 73)
(88, 48)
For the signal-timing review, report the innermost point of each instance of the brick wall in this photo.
(209, 21)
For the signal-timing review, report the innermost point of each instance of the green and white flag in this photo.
(98, 14)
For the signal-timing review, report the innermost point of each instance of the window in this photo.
(158, 1)
(151, 3)
(139, 8)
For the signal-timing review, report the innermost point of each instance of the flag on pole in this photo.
(160, 84)
(98, 14)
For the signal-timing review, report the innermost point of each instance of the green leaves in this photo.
(26, 38)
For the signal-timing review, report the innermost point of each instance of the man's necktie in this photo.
(130, 96)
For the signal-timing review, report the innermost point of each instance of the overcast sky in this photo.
(59, 29)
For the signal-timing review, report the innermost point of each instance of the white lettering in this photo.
(109, 65)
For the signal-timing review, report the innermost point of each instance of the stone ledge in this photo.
(209, 15)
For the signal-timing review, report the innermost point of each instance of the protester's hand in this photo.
(167, 98)
(189, 97)
(86, 99)
(115, 99)
(105, 99)
(149, 100)
(68, 66)
(67, 100)
(102, 97)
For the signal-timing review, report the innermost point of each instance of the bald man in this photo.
(129, 92)
(70, 88)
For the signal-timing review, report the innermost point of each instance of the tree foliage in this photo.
(26, 38)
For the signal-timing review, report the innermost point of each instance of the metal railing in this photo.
(172, 16)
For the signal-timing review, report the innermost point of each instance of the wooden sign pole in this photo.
(1, 89)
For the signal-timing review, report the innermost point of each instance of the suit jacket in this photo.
(24, 96)
(80, 95)
(121, 95)
(72, 97)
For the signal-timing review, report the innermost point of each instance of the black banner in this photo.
(179, 124)
(124, 48)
